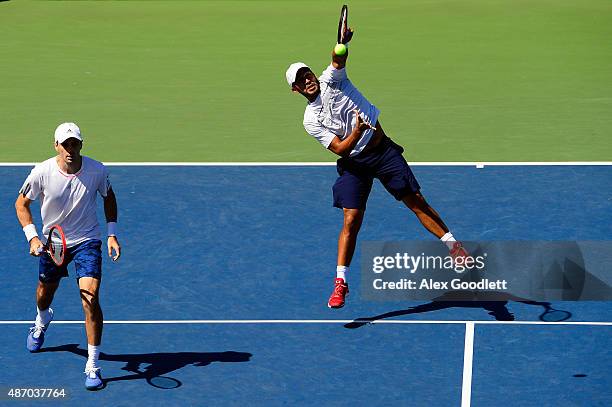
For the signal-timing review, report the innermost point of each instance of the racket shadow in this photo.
(153, 367)
(497, 309)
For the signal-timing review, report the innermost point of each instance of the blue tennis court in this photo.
(220, 295)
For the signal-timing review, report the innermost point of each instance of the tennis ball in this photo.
(340, 49)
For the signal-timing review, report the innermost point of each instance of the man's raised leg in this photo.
(432, 221)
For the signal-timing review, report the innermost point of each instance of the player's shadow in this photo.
(152, 367)
(497, 309)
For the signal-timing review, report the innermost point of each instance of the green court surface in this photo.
(489, 80)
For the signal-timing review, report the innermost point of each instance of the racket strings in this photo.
(56, 246)
(342, 26)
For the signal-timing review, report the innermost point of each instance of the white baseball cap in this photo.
(67, 130)
(293, 70)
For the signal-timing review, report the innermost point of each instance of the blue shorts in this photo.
(356, 175)
(87, 257)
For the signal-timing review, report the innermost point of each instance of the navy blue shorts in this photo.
(87, 257)
(356, 175)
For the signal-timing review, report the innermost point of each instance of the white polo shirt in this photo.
(331, 114)
(68, 200)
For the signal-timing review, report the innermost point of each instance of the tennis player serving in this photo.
(345, 122)
(67, 185)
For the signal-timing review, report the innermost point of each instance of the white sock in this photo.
(448, 240)
(43, 317)
(93, 353)
(341, 272)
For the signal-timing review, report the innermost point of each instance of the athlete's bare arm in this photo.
(110, 212)
(24, 215)
(344, 147)
(110, 206)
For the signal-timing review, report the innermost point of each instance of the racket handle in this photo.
(40, 250)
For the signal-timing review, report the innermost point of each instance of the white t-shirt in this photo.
(331, 114)
(68, 200)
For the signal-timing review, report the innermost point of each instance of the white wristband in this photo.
(111, 227)
(30, 231)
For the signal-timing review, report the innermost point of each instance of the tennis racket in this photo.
(56, 245)
(344, 33)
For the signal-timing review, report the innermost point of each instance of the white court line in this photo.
(321, 321)
(468, 354)
(477, 164)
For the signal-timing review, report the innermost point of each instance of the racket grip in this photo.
(40, 250)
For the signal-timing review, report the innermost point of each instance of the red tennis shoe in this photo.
(458, 251)
(340, 291)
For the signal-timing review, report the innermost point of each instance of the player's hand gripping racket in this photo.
(362, 124)
(55, 246)
(344, 32)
